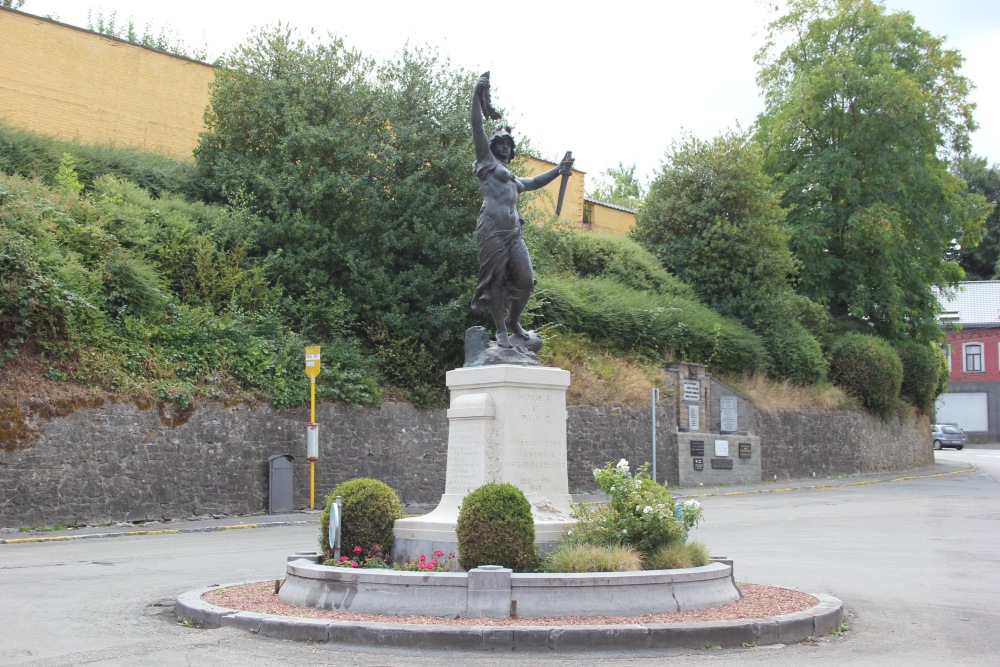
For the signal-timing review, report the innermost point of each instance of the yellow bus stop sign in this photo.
(312, 361)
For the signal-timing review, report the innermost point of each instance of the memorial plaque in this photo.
(697, 448)
(694, 418)
(722, 448)
(727, 414)
(745, 450)
(699, 464)
(722, 464)
(691, 391)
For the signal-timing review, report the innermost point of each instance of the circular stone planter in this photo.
(493, 591)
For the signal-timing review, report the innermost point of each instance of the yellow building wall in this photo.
(544, 200)
(78, 85)
(609, 219)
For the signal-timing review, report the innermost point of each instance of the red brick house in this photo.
(971, 317)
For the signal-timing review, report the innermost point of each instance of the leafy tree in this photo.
(862, 107)
(620, 186)
(713, 220)
(360, 175)
(980, 262)
(12, 4)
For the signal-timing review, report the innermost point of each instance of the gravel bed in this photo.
(757, 601)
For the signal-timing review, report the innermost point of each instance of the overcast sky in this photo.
(612, 81)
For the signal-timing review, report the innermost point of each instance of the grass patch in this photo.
(600, 376)
(570, 557)
(774, 396)
(676, 556)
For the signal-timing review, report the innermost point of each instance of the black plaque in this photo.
(699, 464)
(744, 450)
(697, 448)
(722, 464)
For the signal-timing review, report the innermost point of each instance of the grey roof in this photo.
(609, 205)
(972, 303)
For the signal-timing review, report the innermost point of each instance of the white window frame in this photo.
(947, 355)
(965, 357)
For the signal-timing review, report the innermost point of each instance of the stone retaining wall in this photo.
(118, 462)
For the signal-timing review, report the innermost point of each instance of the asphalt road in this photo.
(916, 562)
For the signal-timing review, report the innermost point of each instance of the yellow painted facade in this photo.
(577, 214)
(78, 85)
(607, 218)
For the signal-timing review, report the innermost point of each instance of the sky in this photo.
(614, 82)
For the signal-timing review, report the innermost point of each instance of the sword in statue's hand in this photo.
(562, 184)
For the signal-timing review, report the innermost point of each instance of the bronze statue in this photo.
(506, 277)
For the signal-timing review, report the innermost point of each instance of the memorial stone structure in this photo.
(712, 448)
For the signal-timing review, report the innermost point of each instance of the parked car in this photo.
(947, 435)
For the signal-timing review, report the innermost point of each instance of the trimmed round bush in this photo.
(795, 355)
(922, 367)
(495, 528)
(867, 368)
(369, 508)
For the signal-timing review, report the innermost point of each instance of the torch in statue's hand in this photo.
(483, 88)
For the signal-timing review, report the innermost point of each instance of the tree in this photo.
(362, 175)
(619, 186)
(12, 4)
(980, 262)
(713, 219)
(862, 110)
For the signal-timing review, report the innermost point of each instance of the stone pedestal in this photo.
(506, 424)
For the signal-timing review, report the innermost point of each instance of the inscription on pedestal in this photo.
(466, 467)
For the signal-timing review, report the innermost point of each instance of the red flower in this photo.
(438, 553)
(422, 558)
(358, 550)
(451, 554)
(354, 563)
(431, 565)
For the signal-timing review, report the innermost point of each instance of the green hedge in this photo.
(867, 368)
(794, 355)
(28, 154)
(654, 324)
(923, 365)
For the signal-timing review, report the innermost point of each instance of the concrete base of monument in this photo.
(436, 531)
(493, 591)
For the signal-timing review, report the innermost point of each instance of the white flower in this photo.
(622, 465)
(647, 509)
(638, 507)
(624, 531)
(694, 504)
(570, 532)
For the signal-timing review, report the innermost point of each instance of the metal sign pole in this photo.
(654, 395)
(312, 429)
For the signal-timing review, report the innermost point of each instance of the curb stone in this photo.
(162, 531)
(816, 621)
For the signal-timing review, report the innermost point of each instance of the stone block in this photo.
(489, 592)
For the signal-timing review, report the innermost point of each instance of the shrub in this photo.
(867, 368)
(922, 366)
(639, 512)
(574, 557)
(657, 325)
(369, 509)
(674, 556)
(495, 528)
(795, 355)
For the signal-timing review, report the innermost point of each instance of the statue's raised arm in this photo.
(506, 277)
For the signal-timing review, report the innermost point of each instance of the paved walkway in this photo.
(246, 522)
